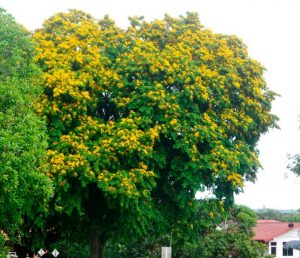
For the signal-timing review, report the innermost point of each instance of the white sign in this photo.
(41, 252)
(55, 253)
(166, 252)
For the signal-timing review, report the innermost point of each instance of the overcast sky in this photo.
(270, 29)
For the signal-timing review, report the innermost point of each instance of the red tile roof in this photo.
(266, 230)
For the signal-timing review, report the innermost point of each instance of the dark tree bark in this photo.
(97, 212)
(97, 244)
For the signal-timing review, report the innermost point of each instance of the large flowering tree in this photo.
(141, 119)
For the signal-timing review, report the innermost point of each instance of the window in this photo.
(273, 248)
(287, 252)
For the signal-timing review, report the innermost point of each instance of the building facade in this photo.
(275, 234)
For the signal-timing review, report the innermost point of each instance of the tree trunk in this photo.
(97, 244)
(96, 209)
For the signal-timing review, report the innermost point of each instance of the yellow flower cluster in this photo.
(235, 179)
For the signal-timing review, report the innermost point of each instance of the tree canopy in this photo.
(24, 187)
(141, 119)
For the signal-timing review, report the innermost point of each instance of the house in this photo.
(275, 234)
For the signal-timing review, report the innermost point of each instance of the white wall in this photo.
(291, 235)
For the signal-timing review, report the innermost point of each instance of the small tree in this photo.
(232, 239)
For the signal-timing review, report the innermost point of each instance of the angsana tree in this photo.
(141, 119)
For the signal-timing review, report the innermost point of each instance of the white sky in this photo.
(270, 28)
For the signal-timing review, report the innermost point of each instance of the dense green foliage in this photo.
(201, 222)
(231, 237)
(141, 119)
(24, 187)
(226, 244)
